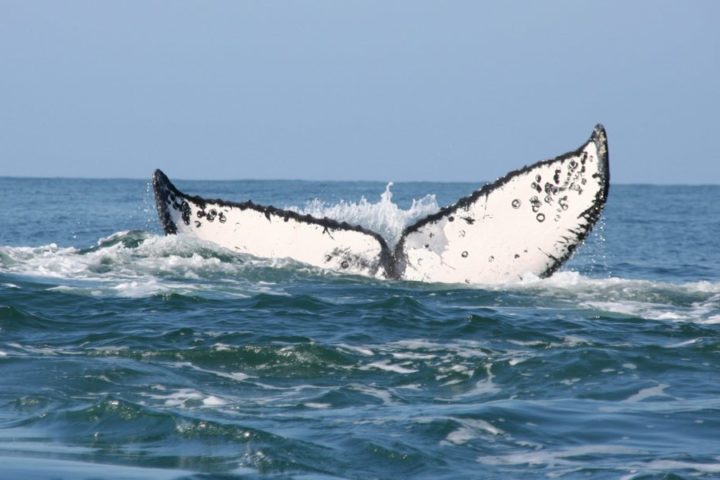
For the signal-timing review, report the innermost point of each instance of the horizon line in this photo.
(149, 179)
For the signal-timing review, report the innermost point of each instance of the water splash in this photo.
(384, 217)
(598, 254)
(140, 264)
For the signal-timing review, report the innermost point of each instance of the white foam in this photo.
(570, 381)
(555, 457)
(686, 343)
(236, 376)
(384, 217)
(187, 398)
(146, 265)
(383, 395)
(645, 310)
(650, 392)
(665, 465)
(483, 387)
(411, 386)
(213, 401)
(469, 430)
(361, 350)
(137, 289)
(574, 341)
(469, 349)
(41, 351)
(651, 300)
(703, 287)
(413, 356)
(527, 343)
(387, 366)
(179, 398)
(460, 436)
(108, 350)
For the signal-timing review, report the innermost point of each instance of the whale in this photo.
(528, 222)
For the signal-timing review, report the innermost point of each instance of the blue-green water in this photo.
(126, 354)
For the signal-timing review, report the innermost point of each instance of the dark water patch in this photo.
(96, 432)
(392, 458)
(15, 319)
(299, 304)
(305, 360)
(403, 304)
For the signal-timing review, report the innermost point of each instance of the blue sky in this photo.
(356, 90)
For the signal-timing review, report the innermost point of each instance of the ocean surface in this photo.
(125, 354)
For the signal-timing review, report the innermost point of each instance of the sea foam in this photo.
(384, 217)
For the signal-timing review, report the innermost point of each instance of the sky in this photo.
(406, 90)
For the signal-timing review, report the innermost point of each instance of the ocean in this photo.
(126, 354)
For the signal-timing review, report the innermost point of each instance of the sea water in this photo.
(128, 354)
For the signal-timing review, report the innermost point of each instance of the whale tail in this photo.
(529, 221)
(266, 231)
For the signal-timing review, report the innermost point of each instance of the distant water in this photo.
(127, 354)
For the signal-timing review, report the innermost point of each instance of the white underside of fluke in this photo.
(528, 222)
(272, 233)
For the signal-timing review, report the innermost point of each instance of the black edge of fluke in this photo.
(162, 188)
(592, 214)
(599, 136)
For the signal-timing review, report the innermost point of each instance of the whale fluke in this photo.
(529, 221)
(266, 231)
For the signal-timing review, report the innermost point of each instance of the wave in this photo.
(137, 263)
(140, 428)
(384, 217)
(140, 264)
(652, 300)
